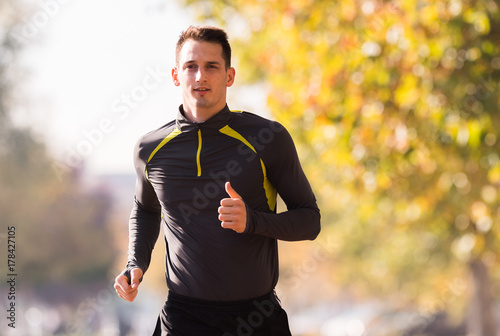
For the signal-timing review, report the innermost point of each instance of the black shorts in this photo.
(184, 316)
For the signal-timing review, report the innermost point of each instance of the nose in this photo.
(200, 75)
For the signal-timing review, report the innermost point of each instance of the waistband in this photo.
(223, 305)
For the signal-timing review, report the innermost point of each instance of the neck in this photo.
(199, 115)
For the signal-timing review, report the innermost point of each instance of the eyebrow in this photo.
(209, 62)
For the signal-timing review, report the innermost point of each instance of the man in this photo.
(212, 175)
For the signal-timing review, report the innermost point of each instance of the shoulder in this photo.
(261, 132)
(251, 124)
(250, 119)
(149, 141)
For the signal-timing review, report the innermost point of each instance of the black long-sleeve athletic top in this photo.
(181, 171)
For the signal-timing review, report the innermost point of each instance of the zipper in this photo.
(198, 163)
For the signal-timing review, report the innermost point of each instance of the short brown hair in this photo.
(205, 34)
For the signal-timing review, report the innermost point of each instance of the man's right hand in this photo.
(125, 290)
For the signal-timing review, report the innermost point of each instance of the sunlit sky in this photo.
(99, 78)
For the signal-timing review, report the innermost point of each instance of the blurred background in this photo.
(394, 108)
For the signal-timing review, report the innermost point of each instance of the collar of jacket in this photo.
(217, 121)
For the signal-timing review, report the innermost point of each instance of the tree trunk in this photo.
(480, 318)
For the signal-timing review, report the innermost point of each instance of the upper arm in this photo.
(144, 191)
(285, 171)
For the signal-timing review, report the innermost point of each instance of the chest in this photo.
(196, 165)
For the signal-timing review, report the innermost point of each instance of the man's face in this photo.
(203, 78)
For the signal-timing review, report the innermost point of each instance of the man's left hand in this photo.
(233, 212)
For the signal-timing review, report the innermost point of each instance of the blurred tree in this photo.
(394, 108)
(62, 229)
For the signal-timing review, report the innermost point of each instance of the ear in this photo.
(230, 76)
(175, 77)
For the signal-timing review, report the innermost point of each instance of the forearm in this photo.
(144, 228)
(292, 225)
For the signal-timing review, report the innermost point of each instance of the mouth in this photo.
(201, 90)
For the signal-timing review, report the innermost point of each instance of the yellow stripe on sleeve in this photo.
(268, 187)
(169, 137)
